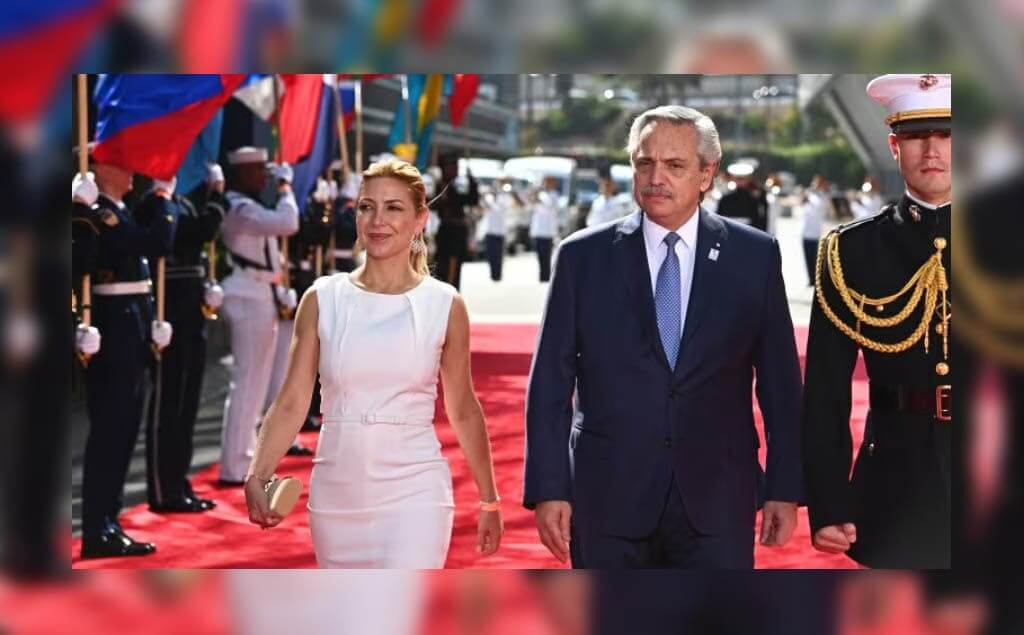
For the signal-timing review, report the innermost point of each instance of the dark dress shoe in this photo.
(207, 503)
(299, 450)
(311, 425)
(181, 506)
(114, 543)
(224, 483)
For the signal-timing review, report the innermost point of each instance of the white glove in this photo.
(167, 186)
(322, 194)
(214, 173)
(213, 296)
(332, 190)
(161, 333)
(84, 190)
(21, 336)
(287, 297)
(282, 172)
(351, 187)
(87, 339)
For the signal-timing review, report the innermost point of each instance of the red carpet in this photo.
(223, 538)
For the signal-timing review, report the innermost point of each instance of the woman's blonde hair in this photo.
(407, 173)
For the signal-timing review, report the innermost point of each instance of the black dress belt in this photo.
(181, 272)
(913, 400)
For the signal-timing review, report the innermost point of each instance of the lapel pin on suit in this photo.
(713, 254)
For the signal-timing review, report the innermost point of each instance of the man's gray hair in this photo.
(709, 148)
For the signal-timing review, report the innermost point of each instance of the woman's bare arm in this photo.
(461, 404)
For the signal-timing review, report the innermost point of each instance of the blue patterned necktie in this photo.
(667, 303)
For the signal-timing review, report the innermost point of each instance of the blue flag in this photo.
(205, 149)
(325, 149)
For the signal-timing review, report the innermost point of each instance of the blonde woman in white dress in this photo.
(381, 490)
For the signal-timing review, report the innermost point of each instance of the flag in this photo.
(297, 121)
(429, 106)
(257, 93)
(347, 100)
(204, 150)
(433, 18)
(215, 34)
(39, 42)
(147, 123)
(324, 150)
(209, 34)
(366, 77)
(415, 84)
(463, 94)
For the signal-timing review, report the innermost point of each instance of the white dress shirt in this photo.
(246, 229)
(814, 214)
(922, 203)
(494, 217)
(607, 208)
(686, 249)
(544, 223)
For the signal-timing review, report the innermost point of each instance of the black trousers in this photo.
(495, 255)
(810, 259)
(451, 253)
(174, 400)
(674, 544)
(115, 384)
(543, 247)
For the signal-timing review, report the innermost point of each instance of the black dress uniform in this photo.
(453, 232)
(177, 384)
(122, 309)
(899, 495)
(747, 205)
(345, 234)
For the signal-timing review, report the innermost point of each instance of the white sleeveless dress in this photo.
(381, 491)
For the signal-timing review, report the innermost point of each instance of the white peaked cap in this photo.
(247, 154)
(925, 99)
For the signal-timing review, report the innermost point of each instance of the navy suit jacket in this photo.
(608, 421)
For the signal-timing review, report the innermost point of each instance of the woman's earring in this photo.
(418, 246)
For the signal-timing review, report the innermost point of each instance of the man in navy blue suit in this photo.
(641, 449)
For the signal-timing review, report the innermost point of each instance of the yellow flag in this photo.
(430, 102)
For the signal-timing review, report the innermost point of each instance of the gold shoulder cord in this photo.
(929, 282)
(995, 322)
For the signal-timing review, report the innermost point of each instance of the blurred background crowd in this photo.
(792, 143)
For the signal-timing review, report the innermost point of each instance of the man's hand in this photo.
(165, 189)
(161, 332)
(282, 172)
(835, 538)
(83, 188)
(553, 526)
(778, 520)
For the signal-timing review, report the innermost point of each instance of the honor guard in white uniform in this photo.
(254, 300)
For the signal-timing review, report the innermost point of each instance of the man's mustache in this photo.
(657, 191)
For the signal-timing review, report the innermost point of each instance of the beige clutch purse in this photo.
(282, 494)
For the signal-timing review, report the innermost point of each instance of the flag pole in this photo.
(356, 246)
(343, 146)
(83, 168)
(278, 154)
(359, 125)
(407, 108)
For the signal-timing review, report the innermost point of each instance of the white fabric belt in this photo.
(140, 287)
(260, 275)
(344, 253)
(372, 418)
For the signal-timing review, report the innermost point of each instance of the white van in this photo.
(536, 168)
(622, 175)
